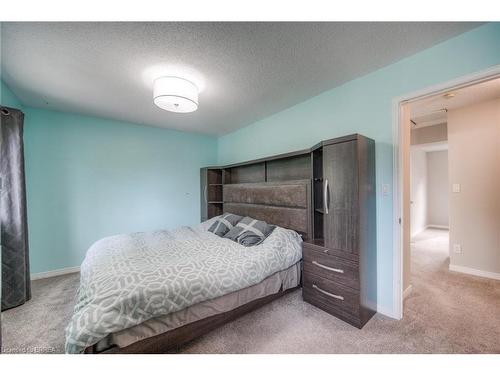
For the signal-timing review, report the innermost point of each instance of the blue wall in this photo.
(7, 98)
(88, 178)
(364, 105)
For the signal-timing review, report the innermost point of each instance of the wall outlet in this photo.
(456, 188)
(457, 248)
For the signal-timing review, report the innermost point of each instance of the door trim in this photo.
(398, 152)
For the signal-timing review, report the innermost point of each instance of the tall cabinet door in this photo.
(203, 194)
(340, 179)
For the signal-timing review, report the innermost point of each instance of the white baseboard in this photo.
(62, 271)
(438, 226)
(475, 272)
(407, 292)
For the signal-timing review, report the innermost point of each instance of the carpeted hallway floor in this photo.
(447, 312)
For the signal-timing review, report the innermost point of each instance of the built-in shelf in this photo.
(317, 175)
(287, 167)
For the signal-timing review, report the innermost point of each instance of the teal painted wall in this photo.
(88, 178)
(364, 106)
(7, 98)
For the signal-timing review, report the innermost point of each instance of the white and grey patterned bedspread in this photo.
(130, 278)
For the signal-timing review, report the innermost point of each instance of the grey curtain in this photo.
(16, 286)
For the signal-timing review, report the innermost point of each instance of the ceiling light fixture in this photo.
(175, 94)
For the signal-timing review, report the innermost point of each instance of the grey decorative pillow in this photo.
(250, 232)
(224, 223)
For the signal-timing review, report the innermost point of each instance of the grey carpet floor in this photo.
(447, 312)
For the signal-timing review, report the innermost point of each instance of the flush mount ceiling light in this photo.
(175, 94)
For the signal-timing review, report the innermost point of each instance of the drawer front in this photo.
(333, 310)
(330, 293)
(331, 267)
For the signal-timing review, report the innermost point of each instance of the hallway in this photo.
(429, 250)
(466, 307)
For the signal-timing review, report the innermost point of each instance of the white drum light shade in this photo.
(175, 94)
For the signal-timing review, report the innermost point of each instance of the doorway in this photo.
(459, 93)
(429, 195)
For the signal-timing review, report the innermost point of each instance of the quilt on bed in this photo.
(130, 278)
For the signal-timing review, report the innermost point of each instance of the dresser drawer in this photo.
(331, 267)
(332, 294)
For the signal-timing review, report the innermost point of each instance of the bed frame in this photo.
(172, 341)
(284, 203)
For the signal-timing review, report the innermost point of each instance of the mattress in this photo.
(283, 280)
(128, 279)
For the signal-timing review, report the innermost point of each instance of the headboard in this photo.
(286, 204)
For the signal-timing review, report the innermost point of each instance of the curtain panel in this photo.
(16, 288)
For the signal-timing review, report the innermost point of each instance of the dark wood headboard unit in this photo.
(277, 172)
(276, 189)
(285, 203)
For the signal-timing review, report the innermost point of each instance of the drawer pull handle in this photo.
(338, 270)
(328, 294)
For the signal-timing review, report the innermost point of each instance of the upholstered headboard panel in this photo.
(286, 204)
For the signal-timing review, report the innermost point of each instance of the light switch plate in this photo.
(385, 189)
(456, 188)
(457, 248)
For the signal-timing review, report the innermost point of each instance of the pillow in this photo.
(224, 223)
(249, 232)
(204, 225)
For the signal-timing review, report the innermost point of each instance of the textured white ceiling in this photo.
(248, 70)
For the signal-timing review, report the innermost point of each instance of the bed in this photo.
(152, 292)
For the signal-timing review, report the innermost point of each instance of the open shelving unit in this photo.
(287, 167)
(317, 180)
(212, 195)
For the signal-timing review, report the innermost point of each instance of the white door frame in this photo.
(398, 151)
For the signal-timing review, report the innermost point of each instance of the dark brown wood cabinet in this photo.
(340, 186)
(340, 251)
(340, 263)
